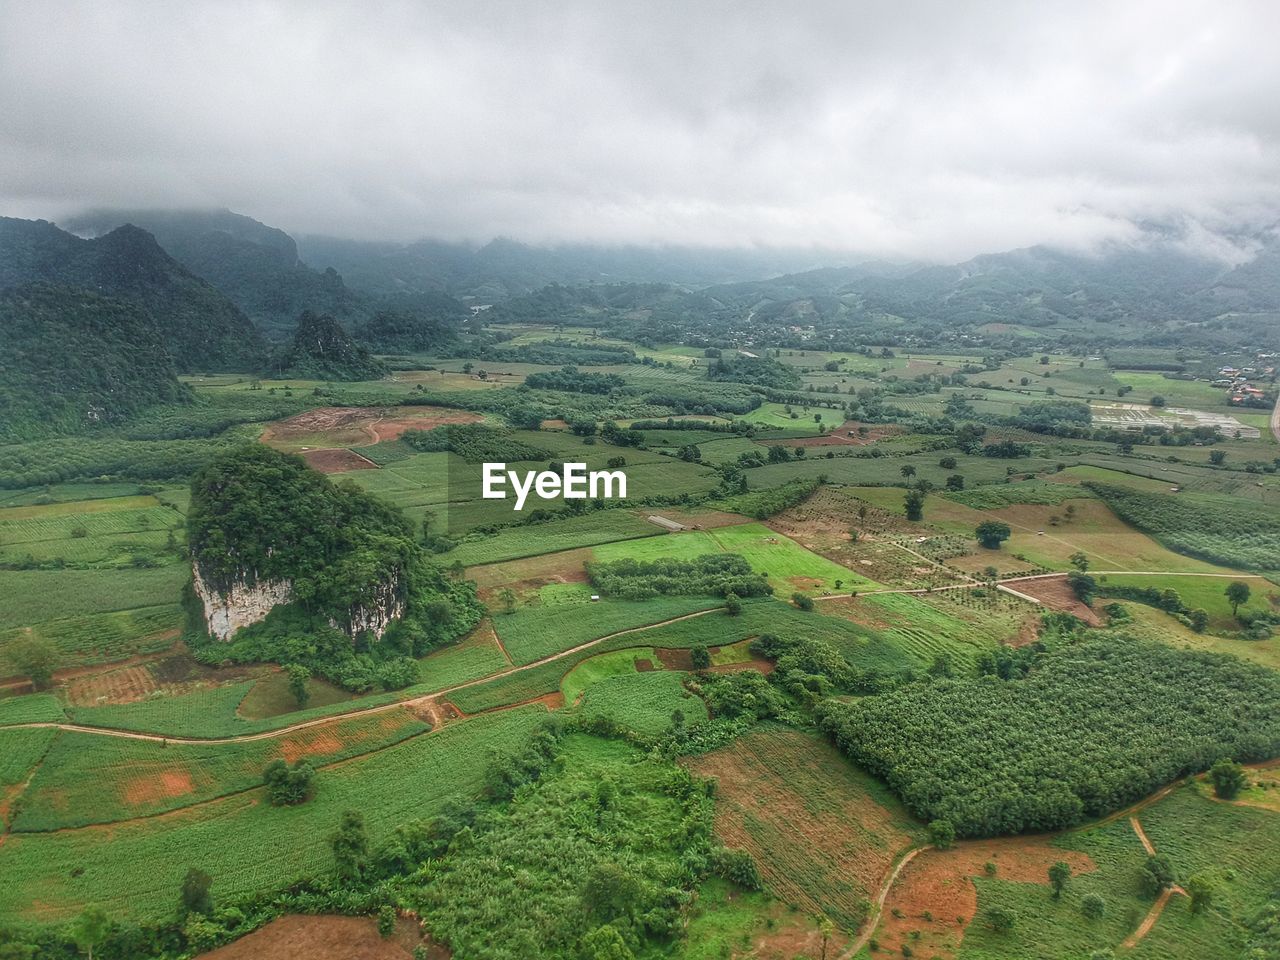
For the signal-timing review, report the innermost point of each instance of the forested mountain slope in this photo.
(254, 265)
(71, 359)
(200, 327)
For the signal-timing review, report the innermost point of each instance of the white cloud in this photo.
(926, 130)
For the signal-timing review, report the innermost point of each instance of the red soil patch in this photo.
(327, 427)
(840, 436)
(435, 712)
(147, 789)
(645, 666)
(675, 658)
(124, 685)
(338, 460)
(531, 573)
(555, 424)
(325, 938)
(310, 743)
(940, 882)
(1056, 594)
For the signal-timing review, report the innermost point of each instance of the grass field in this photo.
(616, 664)
(643, 702)
(133, 870)
(789, 566)
(514, 543)
(1208, 593)
(532, 633)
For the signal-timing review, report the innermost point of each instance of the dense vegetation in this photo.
(717, 574)
(72, 360)
(1233, 532)
(201, 328)
(1089, 729)
(474, 443)
(572, 380)
(322, 350)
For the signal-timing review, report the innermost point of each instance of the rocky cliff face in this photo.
(244, 604)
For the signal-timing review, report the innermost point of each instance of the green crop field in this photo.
(533, 633)
(643, 702)
(87, 779)
(788, 565)
(513, 543)
(133, 868)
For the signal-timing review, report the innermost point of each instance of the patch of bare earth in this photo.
(1056, 594)
(125, 685)
(567, 566)
(940, 883)
(847, 435)
(325, 428)
(338, 460)
(152, 787)
(822, 843)
(325, 938)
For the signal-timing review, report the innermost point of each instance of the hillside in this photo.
(322, 350)
(200, 327)
(254, 265)
(71, 359)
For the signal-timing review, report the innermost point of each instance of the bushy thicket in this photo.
(717, 574)
(757, 371)
(1091, 728)
(572, 380)
(1220, 529)
(762, 504)
(474, 443)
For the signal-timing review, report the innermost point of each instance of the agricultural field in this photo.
(547, 769)
(824, 834)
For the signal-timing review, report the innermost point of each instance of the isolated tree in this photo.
(1157, 401)
(350, 845)
(1002, 919)
(700, 657)
(196, 895)
(288, 786)
(386, 921)
(1237, 594)
(1059, 874)
(508, 598)
(913, 505)
(1200, 888)
(955, 482)
(992, 533)
(947, 463)
(1228, 779)
(942, 834)
(299, 676)
(907, 471)
(428, 518)
(90, 929)
(1156, 875)
(35, 659)
(1199, 619)
(1080, 561)
(1217, 457)
(732, 604)
(1093, 906)
(802, 600)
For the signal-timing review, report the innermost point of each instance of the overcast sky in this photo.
(905, 129)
